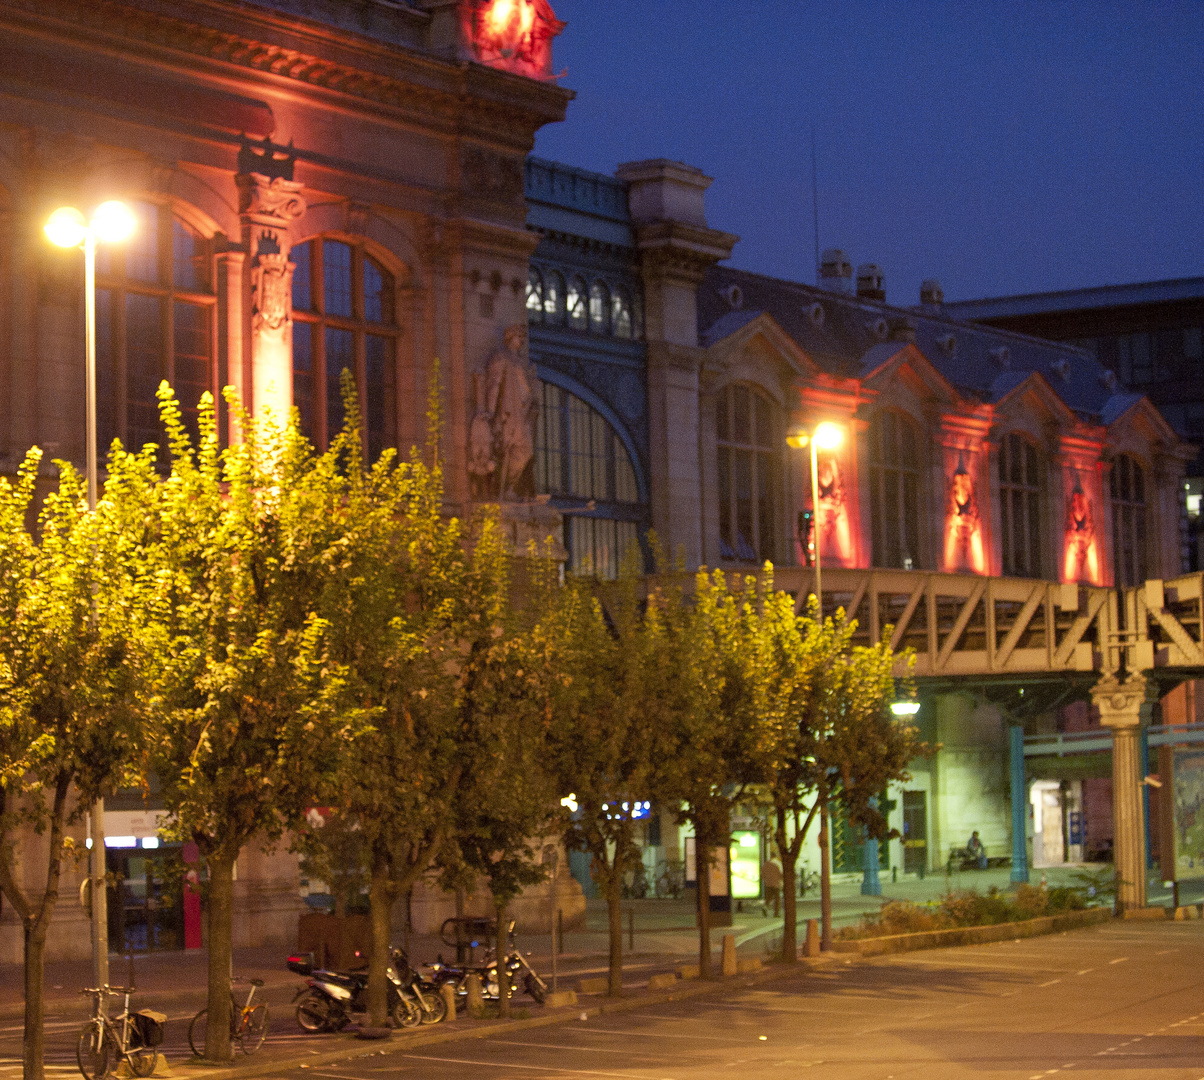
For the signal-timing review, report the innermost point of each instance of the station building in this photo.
(330, 184)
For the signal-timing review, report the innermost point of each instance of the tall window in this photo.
(343, 317)
(749, 453)
(534, 296)
(575, 303)
(895, 469)
(1020, 507)
(599, 308)
(579, 455)
(1129, 521)
(553, 298)
(154, 321)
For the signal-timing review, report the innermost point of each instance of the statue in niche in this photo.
(501, 438)
(833, 519)
(1082, 554)
(963, 527)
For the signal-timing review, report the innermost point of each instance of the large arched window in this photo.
(894, 473)
(534, 296)
(1129, 521)
(599, 308)
(553, 298)
(343, 317)
(154, 321)
(575, 304)
(579, 456)
(1020, 507)
(747, 434)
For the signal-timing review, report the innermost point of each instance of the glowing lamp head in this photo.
(66, 227)
(828, 436)
(905, 708)
(113, 222)
(797, 438)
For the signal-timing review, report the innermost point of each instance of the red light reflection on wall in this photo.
(835, 538)
(963, 526)
(1082, 546)
(515, 35)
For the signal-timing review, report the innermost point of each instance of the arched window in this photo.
(343, 317)
(578, 455)
(599, 308)
(749, 448)
(1020, 507)
(553, 299)
(894, 473)
(620, 314)
(575, 303)
(1129, 521)
(534, 296)
(154, 320)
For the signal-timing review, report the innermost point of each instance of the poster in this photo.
(1189, 813)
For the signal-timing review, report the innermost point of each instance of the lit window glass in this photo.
(576, 305)
(534, 296)
(620, 314)
(553, 299)
(599, 304)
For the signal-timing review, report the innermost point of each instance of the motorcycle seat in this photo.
(339, 979)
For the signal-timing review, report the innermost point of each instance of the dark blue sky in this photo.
(1001, 148)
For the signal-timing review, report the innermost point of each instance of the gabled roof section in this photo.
(1034, 384)
(735, 329)
(1136, 410)
(887, 357)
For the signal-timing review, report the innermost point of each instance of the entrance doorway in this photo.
(146, 905)
(915, 832)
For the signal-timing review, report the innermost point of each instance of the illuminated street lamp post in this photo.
(112, 223)
(826, 436)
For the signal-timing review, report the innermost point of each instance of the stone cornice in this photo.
(678, 250)
(453, 93)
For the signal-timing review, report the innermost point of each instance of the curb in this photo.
(971, 935)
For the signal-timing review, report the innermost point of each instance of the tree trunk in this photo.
(503, 969)
(702, 873)
(789, 857)
(221, 906)
(825, 876)
(380, 900)
(35, 960)
(614, 926)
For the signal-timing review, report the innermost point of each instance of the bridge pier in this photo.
(1125, 708)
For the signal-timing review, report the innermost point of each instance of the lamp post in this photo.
(112, 222)
(825, 436)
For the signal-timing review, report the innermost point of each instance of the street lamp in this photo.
(111, 223)
(905, 708)
(825, 436)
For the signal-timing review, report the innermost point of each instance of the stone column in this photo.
(269, 201)
(1125, 709)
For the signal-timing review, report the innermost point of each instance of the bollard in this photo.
(448, 993)
(811, 943)
(729, 954)
(475, 1003)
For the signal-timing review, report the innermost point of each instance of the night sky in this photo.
(1001, 148)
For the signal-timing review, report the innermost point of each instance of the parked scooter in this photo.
(329, 999)
(424, 994)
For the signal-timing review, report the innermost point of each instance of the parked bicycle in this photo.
(131, 1037)
(248, 1023)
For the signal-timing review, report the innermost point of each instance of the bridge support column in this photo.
(1123, 707)
(870, 883)
(1019, 806)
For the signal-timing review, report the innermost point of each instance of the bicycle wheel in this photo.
(253, 1028)
(96, 1052)
(196, 1032)
(142, 1059)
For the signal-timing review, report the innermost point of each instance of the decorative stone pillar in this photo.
(1125, 708)
(268, 202)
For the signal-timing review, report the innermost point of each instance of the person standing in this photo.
(771, 879)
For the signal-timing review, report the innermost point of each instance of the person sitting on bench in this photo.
(977, 851)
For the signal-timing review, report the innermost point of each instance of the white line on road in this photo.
(1085, 971)
(529, 1068)
(657, 1034)
(1118, 960)
(561, 1046)
(1050, 983)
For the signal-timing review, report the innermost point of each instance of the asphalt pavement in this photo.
(1122, 1000)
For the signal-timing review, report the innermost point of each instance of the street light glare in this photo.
(905, 708)
(828, 436)
(66, 227)
(113, 222)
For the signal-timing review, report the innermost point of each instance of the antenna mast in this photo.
(815, 203)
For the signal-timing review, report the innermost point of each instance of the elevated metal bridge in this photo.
(1124, 647)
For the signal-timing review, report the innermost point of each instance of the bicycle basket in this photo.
(148, 1026)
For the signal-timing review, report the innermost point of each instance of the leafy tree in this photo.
(241, 719)
(67, 684)
(606, 746)
(701, 677)
(333, 852)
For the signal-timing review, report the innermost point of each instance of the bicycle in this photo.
(248, 1023)
(103, 1044)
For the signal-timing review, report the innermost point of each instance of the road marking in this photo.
(1050, 983)
(529, 1068)
(561, 1046)
(657, 1034)
(1118, 960)
(1085, 971)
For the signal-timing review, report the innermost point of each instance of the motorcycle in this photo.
(426, 996)
(522, 975)
(329, 999)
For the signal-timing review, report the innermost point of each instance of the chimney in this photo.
(931, 293)
(869, 282)
(835, 271)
